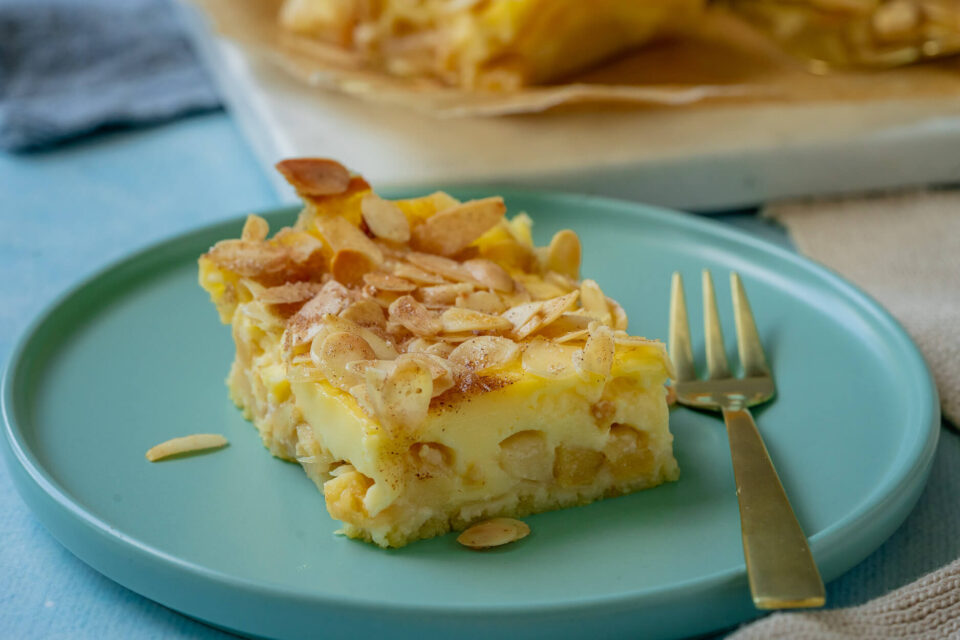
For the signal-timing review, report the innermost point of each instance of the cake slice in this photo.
(428, 366)
(489, 45)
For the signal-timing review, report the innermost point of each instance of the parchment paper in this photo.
(722, 61)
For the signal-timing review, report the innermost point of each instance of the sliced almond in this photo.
(444, 294)
(387, 282)
(441, 349)
(301, 244)
(620, 337)
(483, 301)
(366, 313)
(529, 317)
(248, 259)
(255, 229)
(382, 347)
(598, 353)
(441, 372)
(315, 176)
(287, 293)
(594, 303)
(349, 267)
(563, 255)
(572, 336)
(541, 288)
(359, 393)
(339, 349)
(400, 397)
(450, 231)
(340, 234)
(384, 218)
(570, 322)
(484, 353)
(416, 274)
(493, 533)
(414, 316)
(489, 274)
(332, 298)
(450, 269)
(185, 444)
(547, 359)
(459, 320)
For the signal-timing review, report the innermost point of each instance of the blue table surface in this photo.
(67, 212)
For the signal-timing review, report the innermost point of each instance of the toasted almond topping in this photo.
(568, 322)
(634, 341)
(441, 349)
(255, 229)
(339, 349)
(563, 255)
(360, 367)
(456, 338)
(304, 247)
(444, 294)
(594, 303)
(248, 259)
(493, 533)
(572, 336)
(332, 298)
(485, 352)
(566, 283)
(416, 274)
(185, 444)
(598, 352)
(529, 317)
(387, 282)
(349, 267)
(401, 396)
(441, 371)
(458, 320)
(417, 344)
(449, 231)
(384, 218)
(315, 176)
(382, 347)
(541, 288)
(483, 301)
(547, 359)
(450, 269)
(287, 293)
(365, 313)
(359, 392)
(414, 316)
(489, 274)
(340, 235)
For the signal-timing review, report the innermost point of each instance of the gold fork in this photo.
(780, 568)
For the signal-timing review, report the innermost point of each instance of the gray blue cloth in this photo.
(73, 67)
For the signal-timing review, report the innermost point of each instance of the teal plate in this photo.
(135, 355)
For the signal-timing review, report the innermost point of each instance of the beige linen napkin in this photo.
(927, 609)
(904, 250)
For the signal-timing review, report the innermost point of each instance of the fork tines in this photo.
(752, 357)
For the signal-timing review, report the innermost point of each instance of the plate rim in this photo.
(15, 450)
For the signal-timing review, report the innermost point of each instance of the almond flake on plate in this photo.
(185, 444)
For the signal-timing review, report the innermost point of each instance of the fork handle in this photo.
(780, 568)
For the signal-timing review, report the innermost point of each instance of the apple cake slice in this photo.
(428, 366)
